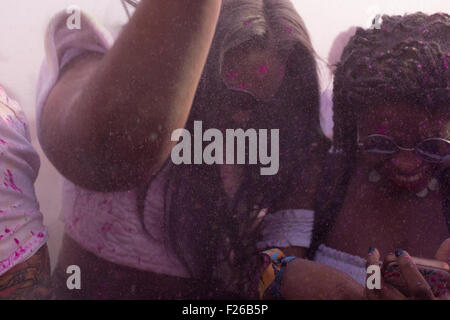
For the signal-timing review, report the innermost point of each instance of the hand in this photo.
(418, 287)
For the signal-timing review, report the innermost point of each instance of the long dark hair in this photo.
(406, 60)
(211, 236)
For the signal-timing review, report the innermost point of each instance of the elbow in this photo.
(101, 167)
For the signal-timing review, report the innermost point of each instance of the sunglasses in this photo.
(435, 150)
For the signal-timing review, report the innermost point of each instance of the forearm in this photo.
(29, 280)
(151, 73)
(138, 93)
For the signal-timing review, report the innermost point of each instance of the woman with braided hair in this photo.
(389, 169)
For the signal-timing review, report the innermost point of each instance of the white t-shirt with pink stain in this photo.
(22, 232)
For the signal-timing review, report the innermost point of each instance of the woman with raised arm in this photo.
(140, 226)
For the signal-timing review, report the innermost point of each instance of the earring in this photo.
(374, 176)
(432, 186)
(423, 193)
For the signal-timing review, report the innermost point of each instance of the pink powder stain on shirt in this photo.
(23, 250)
(2, 141)
(16, 241)
(10, 121)
(9, 181)
(7, 230)
(76, 220)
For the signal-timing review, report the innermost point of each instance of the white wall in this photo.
(22, 25)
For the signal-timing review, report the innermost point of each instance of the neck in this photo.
(387, 218)
(385, 191)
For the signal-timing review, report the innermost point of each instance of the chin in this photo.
(413, 183)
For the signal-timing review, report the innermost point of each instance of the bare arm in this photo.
(107, 123)
(29, 280)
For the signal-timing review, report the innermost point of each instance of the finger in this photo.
(443, 253)
(390, 257)
(386, 292)
(259, 219)
(416, 283)
(373, 258)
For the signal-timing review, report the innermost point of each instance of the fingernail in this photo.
(371, 250)
(398, 252)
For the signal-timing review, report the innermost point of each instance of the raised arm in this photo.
(107, 123)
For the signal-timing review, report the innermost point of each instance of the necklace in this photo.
(433, 185)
